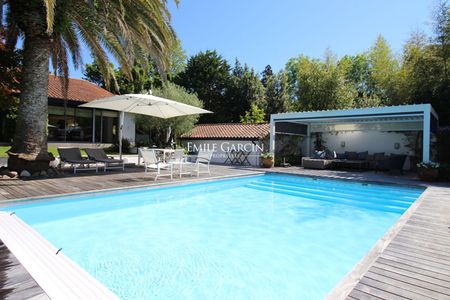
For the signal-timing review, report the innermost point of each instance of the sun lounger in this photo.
(73, 157)
(99, 155)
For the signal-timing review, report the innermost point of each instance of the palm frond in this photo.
(50, 14)
(128, 30)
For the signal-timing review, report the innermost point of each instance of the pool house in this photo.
(403, 129)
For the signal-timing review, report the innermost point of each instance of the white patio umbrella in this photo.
(144, 105)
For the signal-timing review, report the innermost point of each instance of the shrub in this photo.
(126, 147)
(428, 165)
(267, 155)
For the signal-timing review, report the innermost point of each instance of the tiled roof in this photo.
(79, 90)
(228, 131)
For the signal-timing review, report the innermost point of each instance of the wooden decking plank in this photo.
(360, 295)
(435, 233)
(375, 292)
(439, 228)
(414, 274)
(420, 270)
(414, 262)
(438, 211)
(16, 283)
(415, 256)
(421, 243)
(417, 249)
(388, 291)
(414, 284)
(419, 254)
(426, 239)
(396, 287)
(429, 220)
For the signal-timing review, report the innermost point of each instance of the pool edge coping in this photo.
(9, 202)
(57, 275)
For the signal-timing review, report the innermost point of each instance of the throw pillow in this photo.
(363, 155)
(351, 155)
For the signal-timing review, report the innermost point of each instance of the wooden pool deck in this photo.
(412, 261)
(15, 282)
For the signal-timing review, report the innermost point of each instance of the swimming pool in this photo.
(260, 237)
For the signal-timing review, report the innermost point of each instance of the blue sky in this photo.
(261, 32)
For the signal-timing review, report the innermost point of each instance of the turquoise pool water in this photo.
(259, 237)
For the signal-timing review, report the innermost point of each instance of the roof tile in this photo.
(228, 131)
(78, 90)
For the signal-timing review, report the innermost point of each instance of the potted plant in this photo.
(428, 171)
(267, 159)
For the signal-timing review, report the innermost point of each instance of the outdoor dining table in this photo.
(165, 153)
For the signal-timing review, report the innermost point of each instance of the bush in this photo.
(294, 160)
(126, 147)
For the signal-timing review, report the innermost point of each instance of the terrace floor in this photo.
(412, 261)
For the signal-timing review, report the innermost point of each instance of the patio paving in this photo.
(411, 261)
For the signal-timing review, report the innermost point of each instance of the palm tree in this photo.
(54, 30)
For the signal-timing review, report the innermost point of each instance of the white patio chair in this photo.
(151, 162)
(179, 159)
(202, 160)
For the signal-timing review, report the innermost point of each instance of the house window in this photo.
(75, 124)
(71, 124)
(106, 126)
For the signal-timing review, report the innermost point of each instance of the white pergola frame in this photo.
(401, 113)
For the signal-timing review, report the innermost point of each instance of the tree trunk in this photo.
(29, 148)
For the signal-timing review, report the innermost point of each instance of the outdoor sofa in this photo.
(316, 163)
(354, 160)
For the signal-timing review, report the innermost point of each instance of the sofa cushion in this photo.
(363, 155)
(319, 154)
(340, 156)
(351, 155)
(378, 156)
(329, 154)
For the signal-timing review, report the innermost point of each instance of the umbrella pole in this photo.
(121, 117)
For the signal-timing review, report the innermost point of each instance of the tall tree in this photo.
(55, 30)
(208, 75)
(145, 76)
(358, 72)
(255, 115)
(384, 71)
(320, 85)
(161, 131)
(10, 65)
(266, 74)
(442, 43)
(245, 90)
(276, 85)
(292, 68)
(425, 76)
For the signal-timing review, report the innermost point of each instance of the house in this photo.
(68, 123)
(228, 139)
(403, 129)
